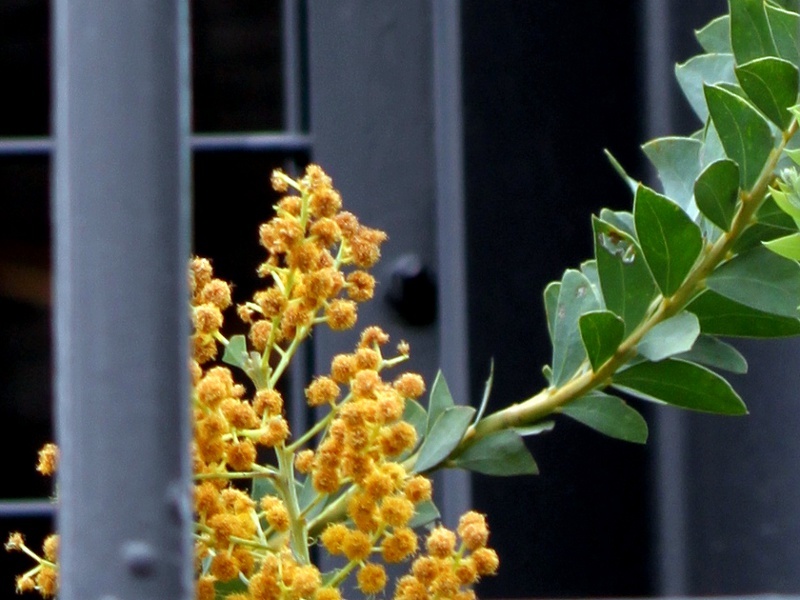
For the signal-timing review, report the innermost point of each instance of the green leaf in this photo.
(720, 316)
(702, 69)
(629, 181)
(712, 150)
(760, 279)
(681, 384)
(550, 303)
(677, 160)
(501, 453)
(744, 133)
(236, 352)
(589, 269)
(627, 285)
(787, 201)
(771, 222)
(788, 246)
(535, 429)
(620, 219)
(415, 415)
(602, 332)
(608, 415)
(425, 513)
(771, 83)
(751, 37)
(716, 192)
(487, 390)
(440, 399)
(670, 240)
(672, 336)
(575, 298)
(785, 26)
(712, 352)
(443, 436)
(223, 589)
(715, 37)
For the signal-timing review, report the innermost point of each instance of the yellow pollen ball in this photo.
(333, 538)
(441, 542)
(486, 561)
(356, 545)
(371, 578)
(341, 314)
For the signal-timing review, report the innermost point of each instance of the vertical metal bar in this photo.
(450, 226)
(121, 223)
(670, 486)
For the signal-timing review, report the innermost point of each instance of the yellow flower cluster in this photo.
(360, 498)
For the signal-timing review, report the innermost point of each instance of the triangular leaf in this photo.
(487, 390)
(760, 279)
(415, 415)
(771, 84)
(629, 181)
(751, 36)
(716, 192)
(788, 247)
(440, 399)
(608, 415)
(712, 352)
(627, 285)
(672, 336)
(702, 69)
(720, 316)
(575, 298)
(501, 453)
(670, 240)
(443, 436)
(550, 303)
(744, 133)
(716, 36)
(535, 429)
(602, 332)
(236, 352)
(677, 160)
(681, 384)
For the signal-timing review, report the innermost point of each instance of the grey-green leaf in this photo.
(535, 429)
(501, 453)
(677, 160)
(629, 181)
(550, 303)
(771, 83)
(672, 336)
(751, 36)
(602, 332)
(670, 240)
(702, 69)
(760, 279)
(716, 36)
(236, 352)
(715, 353)
(720, 316)
(608, 415)
(440, 399)
(681, 384)
(575, 297)
(443, 436)
(716, 192)
(627, 285)
(744, 133)
(415, 415)
(425, 513)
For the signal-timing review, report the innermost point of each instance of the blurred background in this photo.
(473, 133)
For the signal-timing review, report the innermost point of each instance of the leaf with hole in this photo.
(628, 288)
(670, 240)
(682, 384)
(501, 453)
(608, 415)
(716, 192)
(602, 332)
(575, 298)
(760, 279)
(744, 133)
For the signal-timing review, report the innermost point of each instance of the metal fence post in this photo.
(121, 229)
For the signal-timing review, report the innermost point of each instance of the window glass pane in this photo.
(24, 50)
(236, 52)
